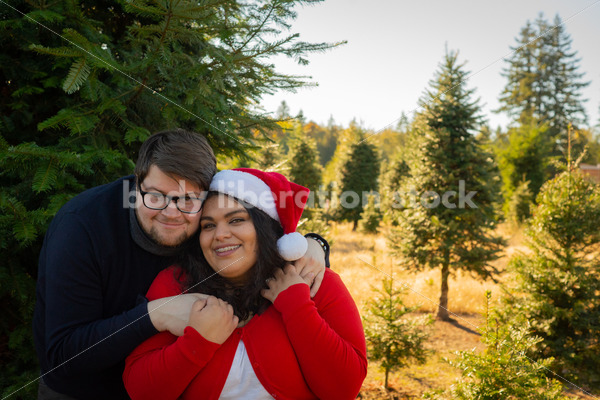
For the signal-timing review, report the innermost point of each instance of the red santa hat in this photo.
(274, 194)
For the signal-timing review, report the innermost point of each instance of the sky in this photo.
(394, 47)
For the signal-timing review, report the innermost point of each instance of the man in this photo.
(102, 251)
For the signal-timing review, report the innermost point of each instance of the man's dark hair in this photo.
(178, 152)
(245, 299)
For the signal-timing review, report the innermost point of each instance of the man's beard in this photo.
(156, 238)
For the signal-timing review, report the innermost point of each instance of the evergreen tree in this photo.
(283, 111)
(503, 370)
(543, 78)
(269, 158)
(452, 225)
(393, 339)
(520, 203)
(346, 137)
(392, 142)
(74, 108)
(358, 177)
(304, 167)
(392, 177)
(370, 217)
(558, 281)
(525, 157)
(584, 142)
(326, 139)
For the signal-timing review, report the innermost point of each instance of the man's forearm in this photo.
(99, 344)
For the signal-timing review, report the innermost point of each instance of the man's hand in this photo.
(172, 313)
(213, 318)
(311, 266)
(283, 279)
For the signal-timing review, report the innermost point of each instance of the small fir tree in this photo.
(393, 339)
(503, 370)
(370, 217)
(358, 177)
(325, 138)
(525, 156)
(269, 158)
(519, 206)
(304, 169)
(345, 138)
(283, 111)
(304, 163)
(392, 177)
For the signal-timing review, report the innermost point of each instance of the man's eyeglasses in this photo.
(158, 201)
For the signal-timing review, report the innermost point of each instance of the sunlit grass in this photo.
(363, 261)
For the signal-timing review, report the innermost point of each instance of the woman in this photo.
(258, 335)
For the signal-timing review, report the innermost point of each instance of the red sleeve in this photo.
(163, 366)
(328, 337)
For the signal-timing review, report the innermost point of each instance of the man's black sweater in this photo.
(94, 269)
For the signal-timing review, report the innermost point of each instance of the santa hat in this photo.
(274, 194)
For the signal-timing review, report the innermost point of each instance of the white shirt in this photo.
(242, 382)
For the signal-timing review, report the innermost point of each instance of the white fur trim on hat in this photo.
(292, 246)
(246, 187)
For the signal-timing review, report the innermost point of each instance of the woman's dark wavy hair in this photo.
(245, 299)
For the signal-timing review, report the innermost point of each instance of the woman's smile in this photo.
(224, 251)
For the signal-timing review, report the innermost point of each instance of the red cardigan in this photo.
(299, 349)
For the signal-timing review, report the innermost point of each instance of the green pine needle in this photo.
(78, 73)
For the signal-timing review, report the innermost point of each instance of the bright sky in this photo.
(394, 47)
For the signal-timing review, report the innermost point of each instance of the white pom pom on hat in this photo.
(292, 246)
(274, 194)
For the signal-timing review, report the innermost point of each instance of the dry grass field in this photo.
(363, 261)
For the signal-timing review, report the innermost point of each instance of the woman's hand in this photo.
(213, 319)
(283, 279)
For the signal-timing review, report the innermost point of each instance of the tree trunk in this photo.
(443, 314)
(355, 225)
(387, 372)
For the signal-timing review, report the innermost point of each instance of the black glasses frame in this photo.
(169, 200)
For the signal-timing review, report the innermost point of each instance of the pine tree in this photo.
(393, 142)
(525, 157)
(325, 137)
(520, 204)
(392, 177)
(543, 78)
(449, 198)
(393, 339)
(503, 370)
(558, 281)
(370, 217)
(283, 111)
(358, 176)
(75, 108)
(269, 158)
(518, 98)
(303, 163)
(346, 137)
